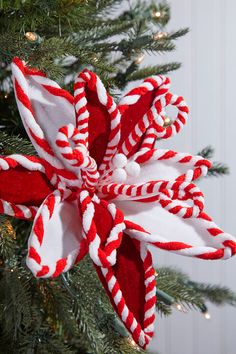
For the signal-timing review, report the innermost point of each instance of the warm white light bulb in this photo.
(157, 14)
(207, 315)
(159, 35)
(167, 121)
(31, 36)
(179, 307)
(139, 59)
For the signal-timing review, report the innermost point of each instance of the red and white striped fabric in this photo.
(100, 187)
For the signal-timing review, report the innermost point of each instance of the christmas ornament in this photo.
(100, 186)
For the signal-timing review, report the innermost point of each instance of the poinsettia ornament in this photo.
(100, 186)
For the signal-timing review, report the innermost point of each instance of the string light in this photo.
(205, 312)
(6, 96)
(167, 121)
(164, 297)
(169, 300)
(159, 35)
(179, 307)
(95, 59)
(156, 14)
(132, 342)
(33, 37)
(139, 59)
(207, 315)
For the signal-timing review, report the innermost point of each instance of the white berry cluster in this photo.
(122, 168)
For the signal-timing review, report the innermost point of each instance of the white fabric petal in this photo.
(199, 234)
(44, 108)
(51, 111)
(157, 170)
(161, 164)
(55, 240)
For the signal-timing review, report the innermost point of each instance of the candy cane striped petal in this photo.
(44, 107)
(23, 185)
(160, 164)
(55, 243)
(139, 111)
(97, 117)
(123, 265)
(196, 237)
(131, 286)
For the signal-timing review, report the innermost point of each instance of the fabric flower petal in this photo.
(56, 242)
(162, 164)
(197, 237)
(130, 285)
(123, 264)
(156, 165)
(97, 117)
(44, 107)
(23, 185)
(143, 115)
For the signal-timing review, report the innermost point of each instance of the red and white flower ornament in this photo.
(100, 186)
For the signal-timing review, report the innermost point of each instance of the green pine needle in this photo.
(218, 168)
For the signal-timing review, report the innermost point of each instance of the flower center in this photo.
(75, 154)
(122, 168)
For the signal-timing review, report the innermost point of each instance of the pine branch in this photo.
(207, 152)
(7, 240)
(218, 168)
(177, 34)
(216, 294)
(178, 288)
(154, 70)
(16, 313)
(174, 284)
(15, 145)
(98, 33)
(91, 305)
(144, 43)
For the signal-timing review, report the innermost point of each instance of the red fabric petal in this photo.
(134, 113)
(128, 270)
(20, 186)
(99, 126)
(130, 274)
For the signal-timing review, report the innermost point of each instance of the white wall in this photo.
(207, 81)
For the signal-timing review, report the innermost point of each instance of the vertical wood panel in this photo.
(207, 81)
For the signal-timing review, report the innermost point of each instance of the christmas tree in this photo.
(71, 313)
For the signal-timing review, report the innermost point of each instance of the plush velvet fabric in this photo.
(128, 269)
(20, 186)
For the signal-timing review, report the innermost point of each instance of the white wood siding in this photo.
(207, 81)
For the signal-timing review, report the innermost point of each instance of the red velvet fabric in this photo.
(133, 114)
(99, 126)
(20, 186)
(128, 270)
(99, 122)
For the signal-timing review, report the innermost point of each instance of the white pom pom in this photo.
(119, 161)
(132, 169)
(119, 175)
